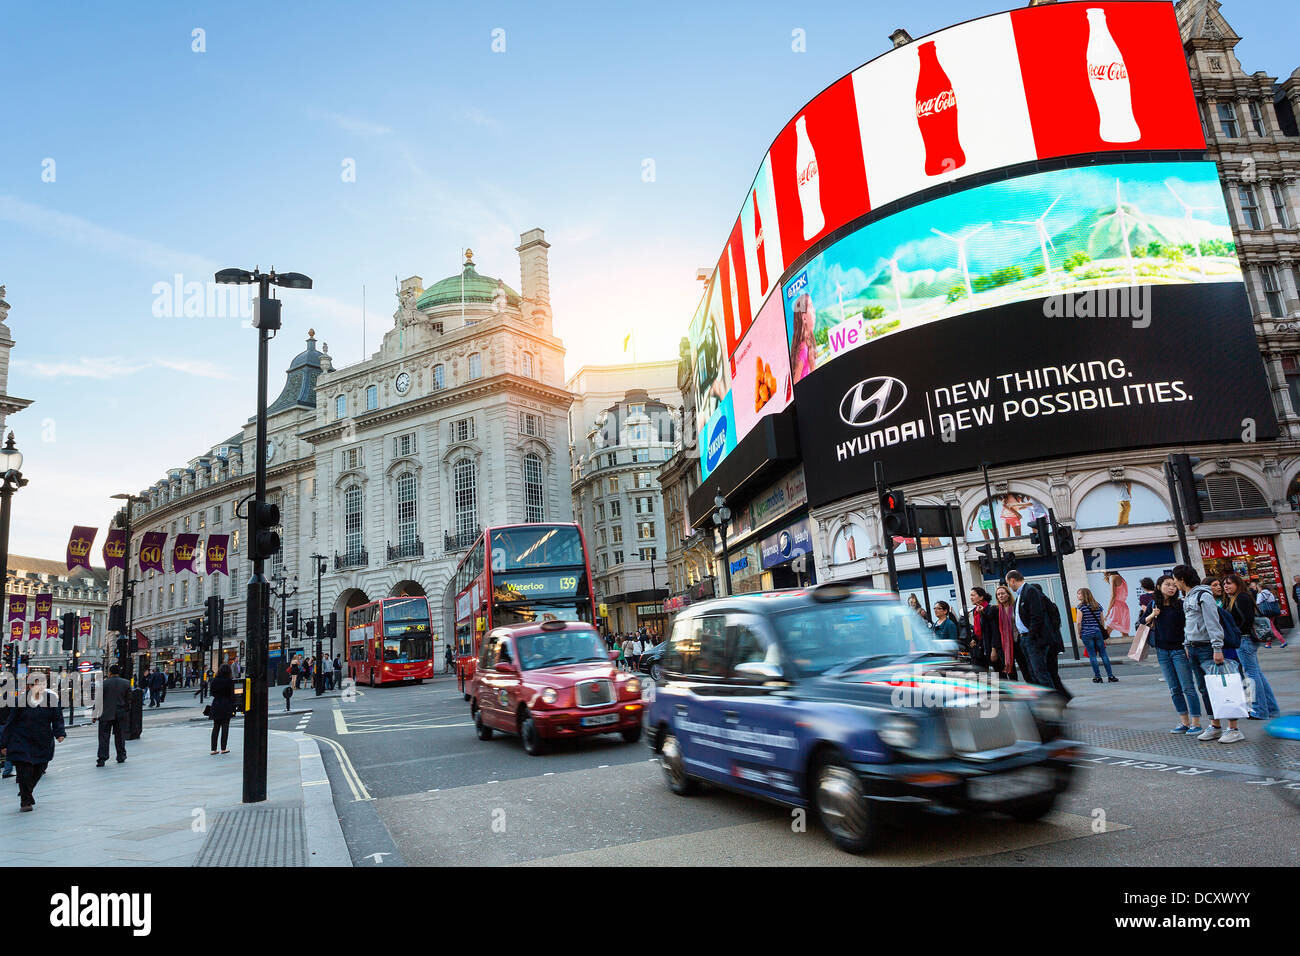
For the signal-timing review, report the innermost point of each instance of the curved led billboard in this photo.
(947, 296)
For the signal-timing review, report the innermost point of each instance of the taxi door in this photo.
(701, 714)
(761, 725)
(499, 689)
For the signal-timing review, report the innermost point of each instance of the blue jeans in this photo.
(1202, 656)
(1265, 703)
(1177, 670)
(1096, 645)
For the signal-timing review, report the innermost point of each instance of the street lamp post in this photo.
(721, 516)
(262, 541)
(319, 561)
(11, 479)
(280, 589)
(124, 655)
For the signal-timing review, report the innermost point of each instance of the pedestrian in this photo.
(1295, 591)
(294, 672)
(114, 711)
(1147, 598)
(984, 629)
(236, 670)
(222, 707)
(1216, 589)
(338, 671)
(915, 605)
(29, 735)
(449, 660)
(1038, 624)
(945, 628)
(1093, 634)
(624, 653)
(1241, 605)
(156, 684)
(1267, 605)
(1167, 625)
(203, 687)
(1007, 637)
(1204, 637)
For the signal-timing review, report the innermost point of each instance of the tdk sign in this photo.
(866, 405)
(717, 442)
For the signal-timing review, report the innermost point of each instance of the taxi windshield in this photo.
(819, 637)
(560, 647)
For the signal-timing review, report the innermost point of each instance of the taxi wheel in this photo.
(842, 805)
(670, 759)
(656, 672)
(1033, 808)
(483, 730)
(534, 745)
(632, 734)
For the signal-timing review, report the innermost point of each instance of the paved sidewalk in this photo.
(172, 804)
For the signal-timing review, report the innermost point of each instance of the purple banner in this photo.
(51, 628)
(184, 552)
(18, 607)
(218, 545)
(44, 607)
(15, 630)
(115, 549)
(79, 544)
(151, 550)
(34, 631)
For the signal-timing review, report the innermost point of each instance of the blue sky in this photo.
(168, 161)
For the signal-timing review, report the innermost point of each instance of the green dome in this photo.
(469, 284)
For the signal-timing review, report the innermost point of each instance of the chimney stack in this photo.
(535, 281)
(900, 37)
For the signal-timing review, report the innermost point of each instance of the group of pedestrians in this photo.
(303, 671)
(630, 647)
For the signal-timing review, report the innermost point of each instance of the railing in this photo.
(353, 559)
(412, 549)
(460, 541)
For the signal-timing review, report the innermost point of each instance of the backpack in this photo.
(1231, 633)
(1268, 607)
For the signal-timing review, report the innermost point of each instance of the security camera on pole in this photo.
(262, 541)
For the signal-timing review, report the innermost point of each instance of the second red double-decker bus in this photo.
(519, 574)
(390, 640)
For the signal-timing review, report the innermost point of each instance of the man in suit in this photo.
(115, 702)
(1039, 635)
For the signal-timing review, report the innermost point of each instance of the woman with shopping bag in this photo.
(1207, 637)
(1166, 622)
(1255, 628)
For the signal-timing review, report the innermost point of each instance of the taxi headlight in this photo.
(633, 686)
(899, 732)
(549, 695)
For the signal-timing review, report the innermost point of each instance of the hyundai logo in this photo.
(717, 442)
(872, 400)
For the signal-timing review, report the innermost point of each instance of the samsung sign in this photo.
(786, 544)
(720, 437)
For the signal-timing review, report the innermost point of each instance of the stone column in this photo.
(535, 283)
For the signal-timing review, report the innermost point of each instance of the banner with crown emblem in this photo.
(115, 549)
(151, 550)
(51, 628)
(34, 631)
(44, 607)
(15, 630)
(83, 624)
(79, 544)
(18, 607)
(218, 547)
(184, 552)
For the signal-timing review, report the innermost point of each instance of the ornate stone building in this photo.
(83, 591)
(389, 467)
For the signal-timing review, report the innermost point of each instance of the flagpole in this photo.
(363, 323)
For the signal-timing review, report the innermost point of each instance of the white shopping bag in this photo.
(1227, 693)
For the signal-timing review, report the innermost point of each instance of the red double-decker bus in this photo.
(519, 574)
(390, 641)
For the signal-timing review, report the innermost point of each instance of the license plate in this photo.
(1010, 786)
(600, 720)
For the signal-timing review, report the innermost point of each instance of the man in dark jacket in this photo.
(115, 703)
(1039, 634)
(28, 738)
(156, 684)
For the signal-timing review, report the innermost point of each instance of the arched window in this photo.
(352, 521)
(534, 493)
(528, 365)
(466, 499)
(405, 509)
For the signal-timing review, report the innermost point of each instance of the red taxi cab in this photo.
(552, 680)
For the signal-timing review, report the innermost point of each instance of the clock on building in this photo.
(403, 383)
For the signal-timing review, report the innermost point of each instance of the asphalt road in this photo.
(413, 785)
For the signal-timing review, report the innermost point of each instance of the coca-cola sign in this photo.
(1107, 71)
(936, 104)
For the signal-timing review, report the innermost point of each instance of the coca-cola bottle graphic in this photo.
(808, 180)
(759, 251)
(1108, 77)
(936, 114)
(735, 297)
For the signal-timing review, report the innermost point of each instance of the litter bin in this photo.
(135, 720)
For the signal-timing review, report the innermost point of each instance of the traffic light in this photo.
(311, 628)
(1040, 536)
(1008, 562)
(123, 650)
(69, 621)
(116, 619)
(193, 633)
(1065, 540)
(9, 657)
(893, 513)
(214, 612)
(332, 627)
(291, 622)
(986, 560)
(1191, 487)
(262, 541)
